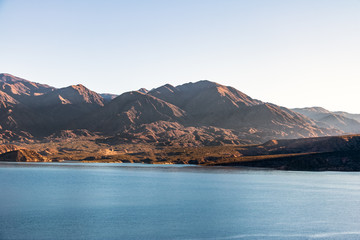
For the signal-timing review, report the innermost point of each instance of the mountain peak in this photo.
(143, 90)
(203, 95)
(202, 84)
(165, 88)
(78, 87)
(8, 78)
(133, 108)
(80, 94)
(5, 77)
(207, 83)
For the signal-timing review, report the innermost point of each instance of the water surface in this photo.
(136, 201)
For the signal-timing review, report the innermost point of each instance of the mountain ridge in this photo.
(200, 113)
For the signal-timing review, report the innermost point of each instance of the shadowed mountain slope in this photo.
(61, 107)
(132, 109)
(337, 153)
(37, 110)
(75, 94)
(306, 145)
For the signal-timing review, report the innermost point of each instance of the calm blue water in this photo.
(134, 201)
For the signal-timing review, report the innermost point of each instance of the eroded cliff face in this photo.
(8, 148)
(13, 153)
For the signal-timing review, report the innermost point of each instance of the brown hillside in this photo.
(132, 109)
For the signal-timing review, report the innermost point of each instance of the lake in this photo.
(137, 201)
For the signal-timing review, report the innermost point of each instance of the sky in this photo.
(297, 53)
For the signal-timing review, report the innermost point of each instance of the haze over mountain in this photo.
(201, 113)
(346, 122)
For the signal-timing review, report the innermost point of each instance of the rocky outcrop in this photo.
(13, 153)
(70, 134)
(22, 155)
(8, 148)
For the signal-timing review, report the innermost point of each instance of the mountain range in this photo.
(192, 114)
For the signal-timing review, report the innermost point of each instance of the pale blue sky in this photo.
(291, 53)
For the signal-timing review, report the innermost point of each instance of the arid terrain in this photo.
(193, 114)
(310, 154)
(202, 123)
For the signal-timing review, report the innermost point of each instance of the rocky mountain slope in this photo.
(132, 109)
(209, 103)
(192, 114)
(20, 89)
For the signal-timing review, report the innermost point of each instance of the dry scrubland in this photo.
(325, 153)
(90, 151)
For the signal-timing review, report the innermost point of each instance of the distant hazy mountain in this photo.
(349, 115)
(108, 96)
(201, 113)
(343, 121)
